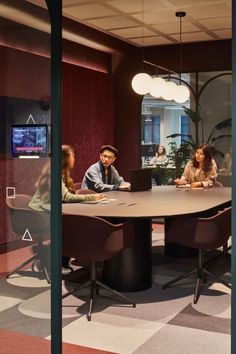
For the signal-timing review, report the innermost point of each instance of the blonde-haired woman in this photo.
(42, 194)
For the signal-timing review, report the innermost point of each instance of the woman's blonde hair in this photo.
(43, 183)
(65, 154)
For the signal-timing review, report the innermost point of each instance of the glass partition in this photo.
(25, 163)
(179, 128)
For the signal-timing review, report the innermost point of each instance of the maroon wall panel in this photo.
(198, 56)
(23, 75)
(87, 117)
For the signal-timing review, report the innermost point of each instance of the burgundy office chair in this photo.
(23, 218)
(92, 239)
(85, 191)
(218, 184)
(77, 185)
(203, 234)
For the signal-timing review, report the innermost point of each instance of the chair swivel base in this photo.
(94, 286)
(201, 273)
(43, 269)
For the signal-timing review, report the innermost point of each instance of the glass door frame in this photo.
(233, 261)
(55, 12)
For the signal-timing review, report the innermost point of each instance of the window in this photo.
(151, 131)
(185, 128)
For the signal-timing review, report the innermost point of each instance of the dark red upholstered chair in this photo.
(218, 184)
(77, 185)
(84, 191)
(92, 239)
(23, 218)
(203, 234)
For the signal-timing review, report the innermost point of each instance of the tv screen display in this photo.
(29, 140)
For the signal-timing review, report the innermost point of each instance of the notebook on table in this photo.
(140, 180)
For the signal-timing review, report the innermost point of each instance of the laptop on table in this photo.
(140, 180)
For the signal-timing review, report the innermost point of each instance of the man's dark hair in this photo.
(109, 148)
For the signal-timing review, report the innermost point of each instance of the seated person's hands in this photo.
(196, 185)
(99, 196)
(125, 185)
(179, 182)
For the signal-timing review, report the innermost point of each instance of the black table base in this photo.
(131, 270)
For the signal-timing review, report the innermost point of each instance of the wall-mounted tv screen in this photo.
(29, 140)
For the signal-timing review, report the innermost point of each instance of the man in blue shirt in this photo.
(102, 176)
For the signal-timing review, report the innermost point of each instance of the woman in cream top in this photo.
(160, 158)
(201, 171)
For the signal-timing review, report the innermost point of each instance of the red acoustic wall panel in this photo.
(87, 114)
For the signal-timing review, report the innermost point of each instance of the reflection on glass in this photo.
(180, 128)
(25, 231)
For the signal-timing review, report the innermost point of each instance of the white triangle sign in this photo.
(27, 236)
(30, 118)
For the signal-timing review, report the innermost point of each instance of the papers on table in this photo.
(101, 201)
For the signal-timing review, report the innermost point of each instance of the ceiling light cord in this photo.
(143, 84)
(180, 14)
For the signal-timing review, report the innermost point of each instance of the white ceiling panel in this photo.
(148, 41)
(129, 6)
(112, 22)
(193, 37)
(88, 11)
(174, 27)
(227, 33)
(189, 3)
(155, 17)
(209, 11)
(75, 2)
(133, 32)
(215, 23)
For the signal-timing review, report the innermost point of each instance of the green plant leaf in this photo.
(221, 137)
(179, 134)
(223, 124)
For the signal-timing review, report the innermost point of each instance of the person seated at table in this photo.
(201, 171)
(42, 194)
(103, 176)
(160, 157)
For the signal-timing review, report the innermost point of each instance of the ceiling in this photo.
(153, 22)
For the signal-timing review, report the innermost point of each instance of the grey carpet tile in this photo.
(191, 318)
(173, 324)
(181, 340)
(11, 290)
(13, 320)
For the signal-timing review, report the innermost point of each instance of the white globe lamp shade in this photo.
(141, 83)
(157, 87)
(169, 92)
(182, 94)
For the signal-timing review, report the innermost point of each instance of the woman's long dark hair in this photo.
(207, 163)
(163, 150)
(65, 154)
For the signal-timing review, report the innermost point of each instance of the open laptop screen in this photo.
(141, 180)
